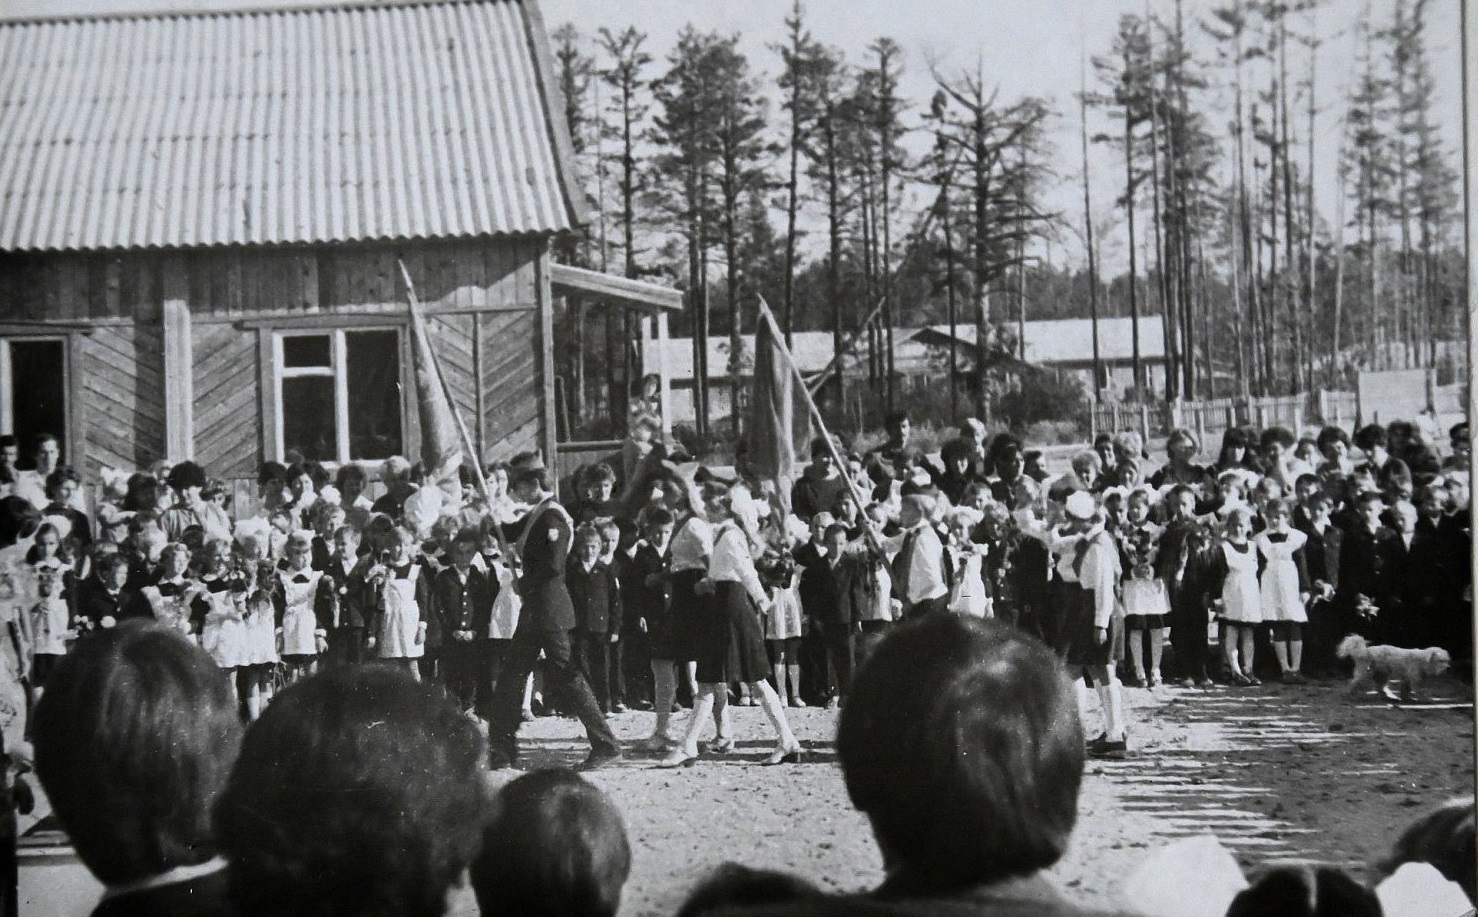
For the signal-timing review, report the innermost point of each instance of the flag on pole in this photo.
(779, 425)
(441, 444)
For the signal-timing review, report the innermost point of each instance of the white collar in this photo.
(169, 877)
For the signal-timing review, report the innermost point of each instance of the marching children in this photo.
(1146, 600)
(1233, 577)
(402, 598)
(1285, 588)
(463, 598)
(785, 623)
(303, 607)
(597, 597)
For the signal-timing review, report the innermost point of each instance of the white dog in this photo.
(1376, 666)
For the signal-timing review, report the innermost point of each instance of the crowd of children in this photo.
(1283, 542)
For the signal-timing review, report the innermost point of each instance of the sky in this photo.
(1035, 47)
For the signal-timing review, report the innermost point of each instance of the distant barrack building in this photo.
(921, 356)
(201, 216)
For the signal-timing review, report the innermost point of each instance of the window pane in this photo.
(38, 387)
(308, 418)
(304, 350)
(374, 394)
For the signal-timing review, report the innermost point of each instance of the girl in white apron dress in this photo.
(1285, 585)
(401, 635)
(172, 595)
(298, 584)
(1241, 597)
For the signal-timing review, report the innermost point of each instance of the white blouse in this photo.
(691, 545)
(732, 562)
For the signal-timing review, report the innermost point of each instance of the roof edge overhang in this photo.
(611, 288)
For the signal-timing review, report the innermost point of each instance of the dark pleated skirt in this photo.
(730, 639)
(684, 610)
(1079, 643)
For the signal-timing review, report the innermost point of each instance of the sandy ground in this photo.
(1277, 772)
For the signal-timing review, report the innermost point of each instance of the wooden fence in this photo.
(1211, 418)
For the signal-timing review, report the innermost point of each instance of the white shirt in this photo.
(692, 544)
(732, 562)
(926, 566)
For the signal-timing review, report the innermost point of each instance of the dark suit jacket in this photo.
(821, 586)
(94, 603)
(541, 584)
(596, 595)
(466, 606)
(349, 591)
(638, 600)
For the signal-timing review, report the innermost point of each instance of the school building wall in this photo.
(170, 354)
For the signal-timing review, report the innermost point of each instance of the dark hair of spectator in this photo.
(186, 474)
(1443, 837)
(835, 529)
(961, 742)
(1102, 439)
(42, 439)
(895, 419)
(141, 494)
(9, 441)
(350, 472)
(1330, 435)
(732, 886)
(656, 516)
(554, 847)
(1369, 497)
(1232, 438)
(359, 791)
(270, 473)
(1305, 891)
(523, 477)
(1370, 436)
(597, 474)
(1280, 435)
(1306, 478)
(1458, 431)
(1003, 452)
(1394, 472)
(134, 740)
(955, 450)
(18, 519)
(820, 448)
(60, 476)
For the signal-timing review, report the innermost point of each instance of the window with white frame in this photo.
(33, 390)
(338, 394)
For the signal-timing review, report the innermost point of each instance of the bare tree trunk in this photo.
(1092, 251)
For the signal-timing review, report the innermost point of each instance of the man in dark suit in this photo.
(548, 615)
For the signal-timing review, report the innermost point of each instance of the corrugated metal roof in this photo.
(421, 120)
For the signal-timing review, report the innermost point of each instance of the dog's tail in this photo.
(1351, 647)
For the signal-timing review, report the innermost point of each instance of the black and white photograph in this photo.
(700, 458)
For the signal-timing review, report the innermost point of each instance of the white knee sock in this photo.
(771, 702)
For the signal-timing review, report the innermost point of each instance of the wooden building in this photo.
(202, 218)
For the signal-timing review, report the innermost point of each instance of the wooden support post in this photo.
(179, 370)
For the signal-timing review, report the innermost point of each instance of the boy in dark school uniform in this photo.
(462, 597)
(597, 599)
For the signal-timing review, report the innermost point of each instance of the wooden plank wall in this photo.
(228, 431)
(510, 383)
(123, 396)
(482, 296)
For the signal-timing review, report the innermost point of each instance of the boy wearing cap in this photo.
(1090, 634)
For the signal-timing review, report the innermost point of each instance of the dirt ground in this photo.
(1277, 772)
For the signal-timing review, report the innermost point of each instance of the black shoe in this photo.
(1101, 737)
(1103, 748)
(599, 759)
(499, 761)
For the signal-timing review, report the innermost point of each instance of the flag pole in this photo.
(482, 482)
(778, 341)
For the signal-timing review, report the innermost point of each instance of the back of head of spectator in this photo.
(556, 846)
(1443, 837)
(961, 743)
(358, 792)
(734, 886)
(1305, 891)
(134, 740)
(1370, 438)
